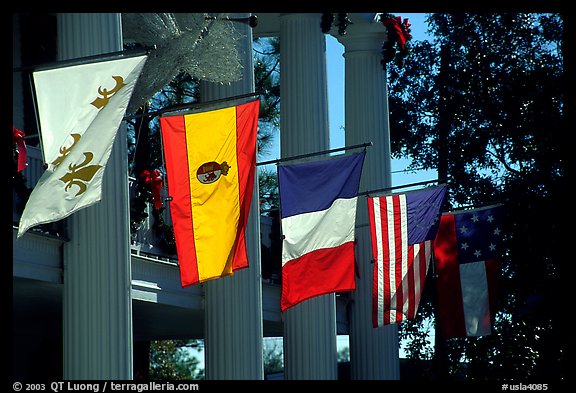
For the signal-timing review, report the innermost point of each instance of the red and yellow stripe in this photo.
(209, 218)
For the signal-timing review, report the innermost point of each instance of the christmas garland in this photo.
(148, 187)
(396, 46)
(328, 20)
(164, 232)
(138, 205)
(154, 181)
(398, 34)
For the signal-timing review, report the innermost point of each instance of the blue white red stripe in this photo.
(318, 211)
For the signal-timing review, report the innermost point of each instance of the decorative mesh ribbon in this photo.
(203, 47)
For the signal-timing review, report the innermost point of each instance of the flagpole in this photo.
(314, 154)
(191, 105)
(67, 63)
(369, 192)
(87, 59)
(185, 106)
(420, 183)
(476, 207)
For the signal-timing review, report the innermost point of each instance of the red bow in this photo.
(18, 138)
(401, 28)
(154, 179)
(406, 30)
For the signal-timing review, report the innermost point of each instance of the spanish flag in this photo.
(210, 163)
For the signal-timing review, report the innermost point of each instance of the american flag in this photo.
(402, 228)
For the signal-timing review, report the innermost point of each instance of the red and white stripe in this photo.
(399, 268)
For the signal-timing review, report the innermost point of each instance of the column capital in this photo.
(362, 36)
(301, 15)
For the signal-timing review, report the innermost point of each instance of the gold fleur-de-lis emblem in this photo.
(65, 150)
(81, 174)
(101, 102)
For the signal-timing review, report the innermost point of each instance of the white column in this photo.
(233, 307)
(373, 352)
(97, 304)
(309, 327)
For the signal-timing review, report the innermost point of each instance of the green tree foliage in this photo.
(343, 355)
(272, 356)
(267, 82)
(172, 360)
(268, 182)
(483, 103)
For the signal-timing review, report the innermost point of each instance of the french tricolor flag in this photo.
(318, 212)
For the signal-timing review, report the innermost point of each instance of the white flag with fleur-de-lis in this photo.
(80, 109)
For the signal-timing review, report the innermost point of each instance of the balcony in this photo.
(156, 289)
(161, 307)
(149, 240)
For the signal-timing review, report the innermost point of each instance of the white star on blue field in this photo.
(479, 234)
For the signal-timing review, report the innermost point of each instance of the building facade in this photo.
(88, 297)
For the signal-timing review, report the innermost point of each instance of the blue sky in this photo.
(335, 64)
